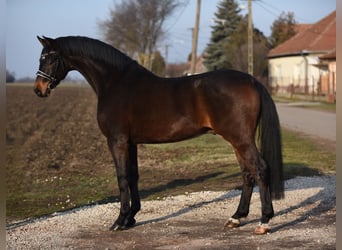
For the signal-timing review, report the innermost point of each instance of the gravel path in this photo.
(305, 219)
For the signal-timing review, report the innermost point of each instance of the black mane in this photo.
(92, 48)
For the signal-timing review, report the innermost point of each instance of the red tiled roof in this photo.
(329, 56)
(318, 37)
(302, 26)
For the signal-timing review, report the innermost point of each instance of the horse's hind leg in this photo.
(253, 169)
(247, 189)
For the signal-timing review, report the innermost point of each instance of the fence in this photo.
(317, 89)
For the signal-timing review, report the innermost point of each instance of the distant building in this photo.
(328, 81)
(199, 67)
(306, 63)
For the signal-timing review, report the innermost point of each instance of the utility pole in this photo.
(166, 52)
(195, 38)
(250, 38)
(166, 57)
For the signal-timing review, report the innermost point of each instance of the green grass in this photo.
(203, 163)
(305, 156)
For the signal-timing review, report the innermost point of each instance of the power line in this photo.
(271, 6)
(276, 11)
(261, 4)
(178, 17)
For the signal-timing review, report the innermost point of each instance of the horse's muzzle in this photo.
(41, 90)
(41, 94)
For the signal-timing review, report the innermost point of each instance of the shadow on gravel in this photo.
(324, 204)
(145, 193)
(295, 169)
(229, 195)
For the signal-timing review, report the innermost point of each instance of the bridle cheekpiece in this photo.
(53, 81)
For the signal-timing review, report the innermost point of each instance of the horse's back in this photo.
(227, 89)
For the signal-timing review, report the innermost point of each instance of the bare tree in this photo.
(283, 28)
(136, 26)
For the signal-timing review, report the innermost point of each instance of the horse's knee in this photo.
(123, 183)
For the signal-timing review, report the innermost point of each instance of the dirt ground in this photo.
(205, 234)
(208, 233)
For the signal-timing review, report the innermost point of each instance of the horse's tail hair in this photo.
(270, 142)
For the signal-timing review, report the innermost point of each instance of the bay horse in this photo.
(137, 107)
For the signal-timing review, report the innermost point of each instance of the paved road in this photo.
(311, 122)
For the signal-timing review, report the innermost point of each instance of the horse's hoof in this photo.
(128, 224)
(131, 223)
(116, 227)
(232, 223)
(262, 229)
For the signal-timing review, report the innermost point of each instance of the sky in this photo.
(25, 19)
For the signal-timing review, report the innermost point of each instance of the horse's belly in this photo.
(168, 131)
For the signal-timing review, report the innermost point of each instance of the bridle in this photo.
(53, 81)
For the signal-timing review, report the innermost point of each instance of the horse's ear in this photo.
(45, 41)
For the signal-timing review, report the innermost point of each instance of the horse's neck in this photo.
(97, 75)
(102, 76)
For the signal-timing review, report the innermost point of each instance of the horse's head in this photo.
(51, 68)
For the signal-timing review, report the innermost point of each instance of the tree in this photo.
(136, 26)
(10, 76)
(154, 62)
(236, 49)
(158, 65)
(283, 28)
(227, 19)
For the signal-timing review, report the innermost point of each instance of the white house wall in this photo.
(298, 70)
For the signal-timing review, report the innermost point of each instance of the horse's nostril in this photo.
(38, 92)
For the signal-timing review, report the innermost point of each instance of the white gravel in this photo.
(303, 196)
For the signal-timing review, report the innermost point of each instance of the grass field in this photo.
(57, 159)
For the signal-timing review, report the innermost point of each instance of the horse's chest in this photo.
(111, 123)
(103, 123)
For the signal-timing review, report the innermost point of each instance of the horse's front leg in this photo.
(133, 178)
(119, 147)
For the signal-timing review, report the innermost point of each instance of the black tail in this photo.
(270, 142)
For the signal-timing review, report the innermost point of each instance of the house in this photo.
(306, 63)
(328, 81)
(199, 66)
